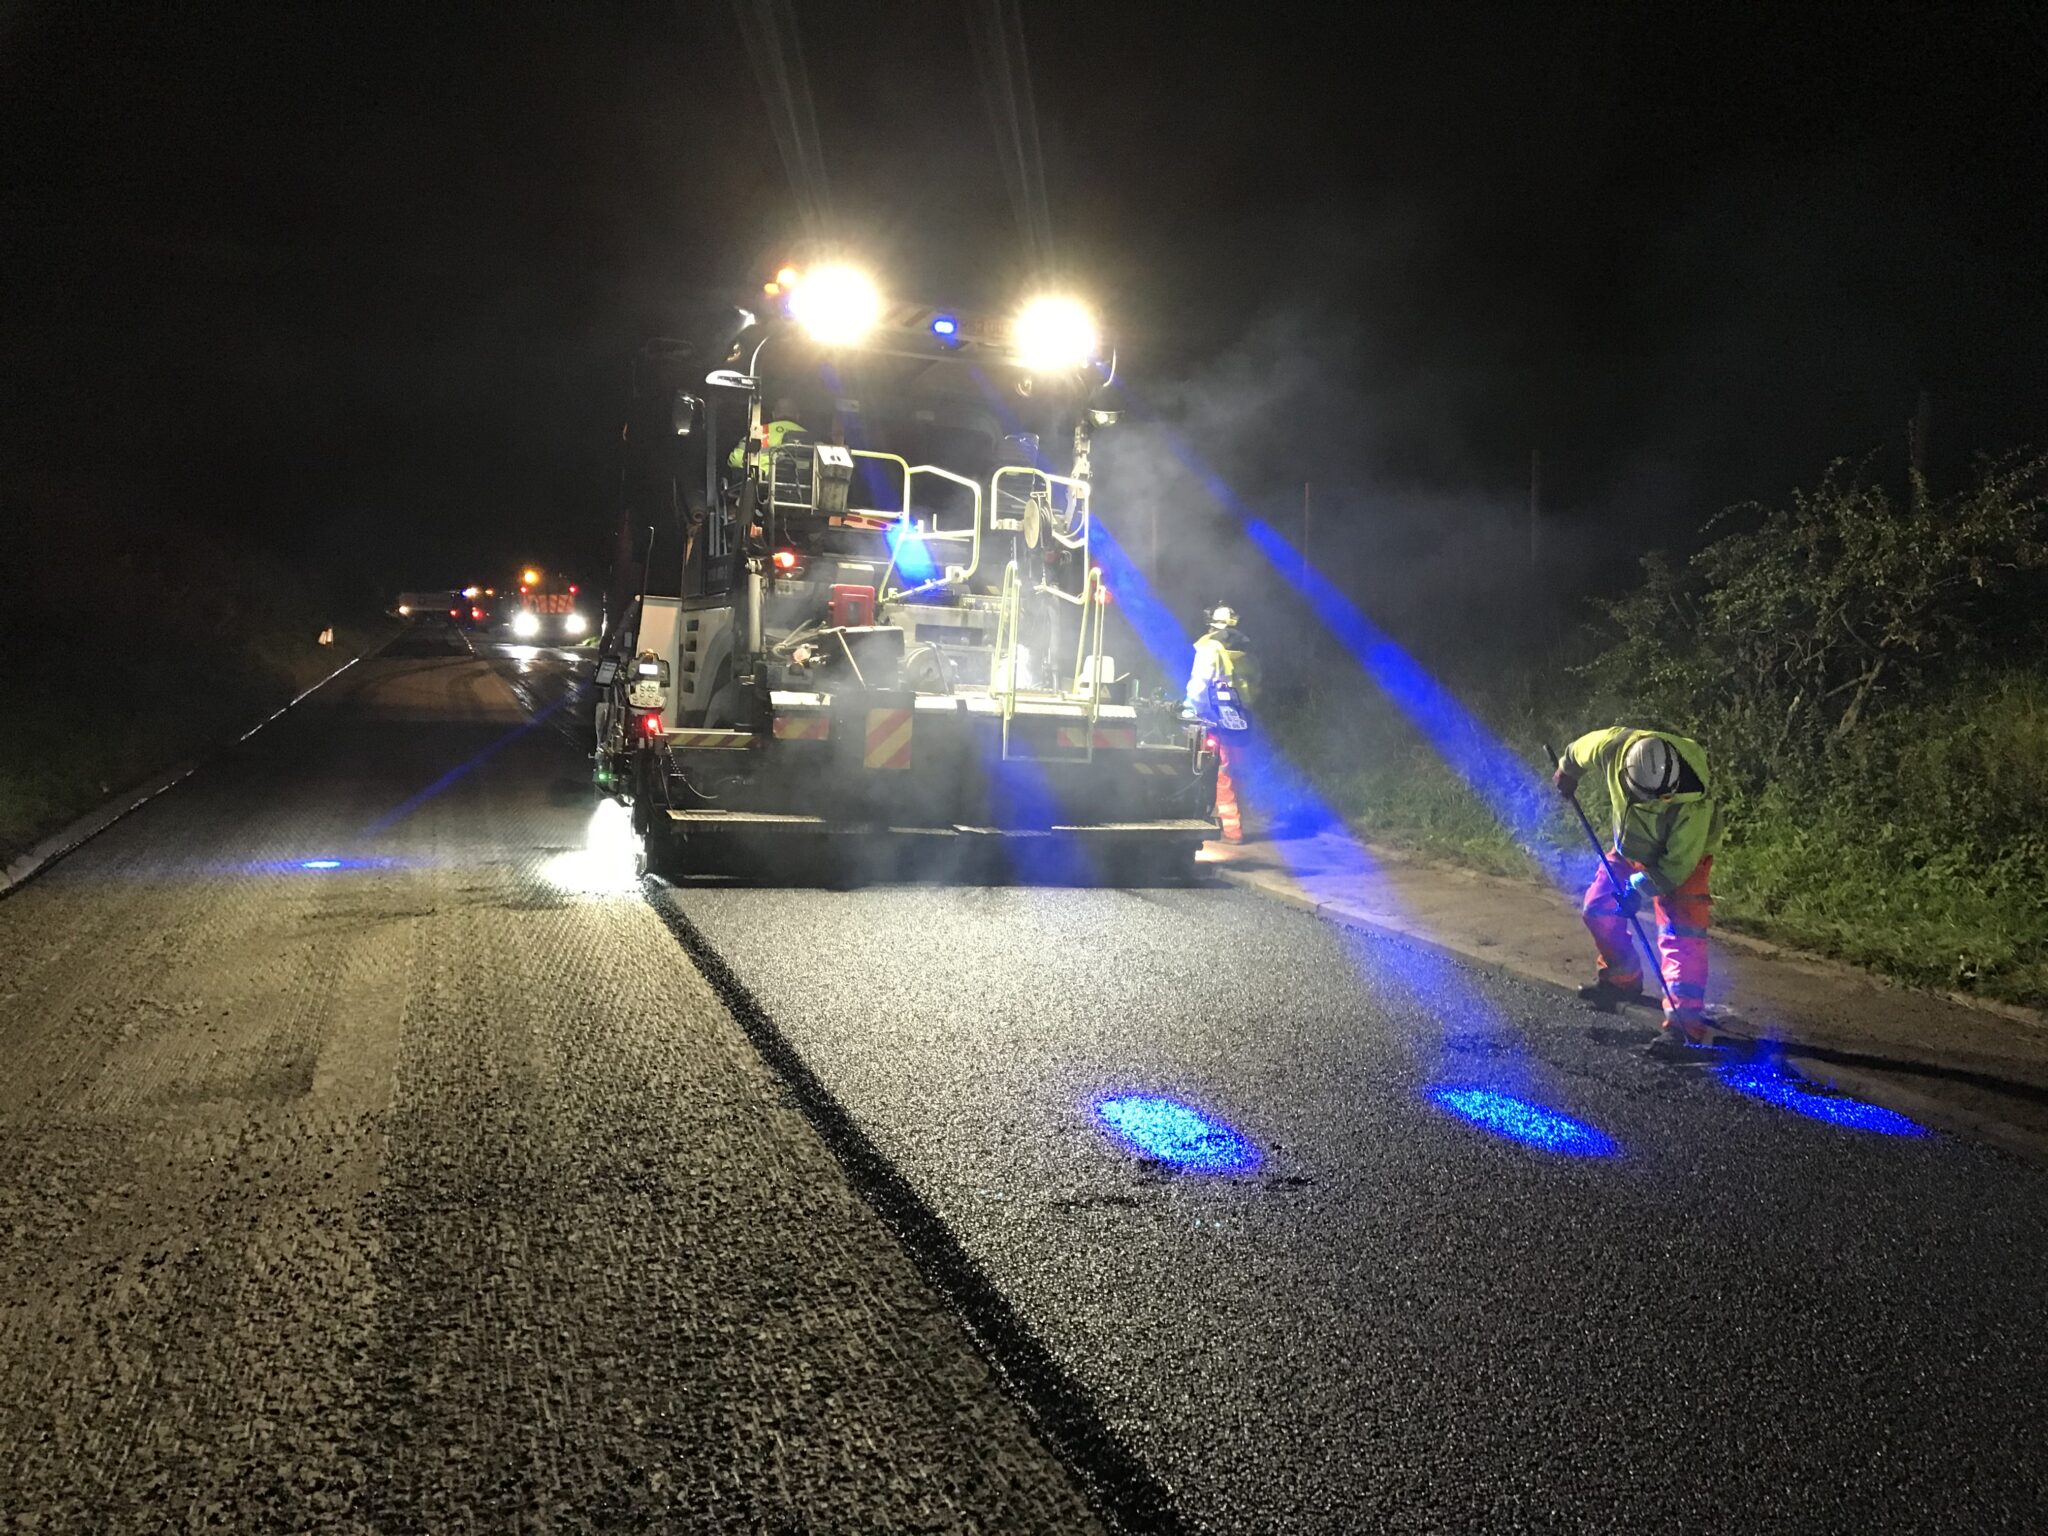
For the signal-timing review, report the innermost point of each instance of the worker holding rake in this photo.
(1667, 827)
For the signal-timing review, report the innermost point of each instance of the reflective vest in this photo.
(1668, 837)
(772, 434)
(1223, 666)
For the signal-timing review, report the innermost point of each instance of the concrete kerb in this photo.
(1941, 1113)
(68, 839)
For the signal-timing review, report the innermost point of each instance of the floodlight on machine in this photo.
(1053, 334)
(837, 304)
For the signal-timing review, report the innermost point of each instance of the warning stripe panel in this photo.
(888, 744)
(803, 727)
(710, 740)
(1108, 738)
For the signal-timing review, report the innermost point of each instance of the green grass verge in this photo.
(1923, 857)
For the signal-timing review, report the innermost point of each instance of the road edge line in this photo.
(69, 839)
(1116, 1483)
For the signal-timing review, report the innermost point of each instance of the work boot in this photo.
(1692, 1028)
(1682, 1039)
(1605, 994)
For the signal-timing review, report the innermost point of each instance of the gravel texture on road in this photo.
(436, 1190)
(1742, 1318)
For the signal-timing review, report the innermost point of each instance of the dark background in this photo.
(361, 283)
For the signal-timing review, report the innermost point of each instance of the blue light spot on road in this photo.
(1532, 1124)
(1169, 1131)
(1775, 1084)
(324, 865)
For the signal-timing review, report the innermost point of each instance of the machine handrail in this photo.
(1008, 616)
(972, 533)
(1086, 663)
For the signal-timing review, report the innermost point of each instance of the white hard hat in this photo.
(1649, 769)
(1225, 617)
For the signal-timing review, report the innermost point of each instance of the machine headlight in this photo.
(837, 304)
(526, 623)
(1053, 334)
(574, 624)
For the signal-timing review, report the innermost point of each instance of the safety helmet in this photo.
(1649, 769)
(1225, 617)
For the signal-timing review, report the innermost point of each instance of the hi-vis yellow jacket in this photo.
(1220, 655)
(1667, 837)
(772, 434)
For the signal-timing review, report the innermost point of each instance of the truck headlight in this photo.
(837, 304)
(526, 623)
(1054, 334)
(574, 624)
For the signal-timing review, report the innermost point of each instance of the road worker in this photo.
(782, 426)
(1667, 828)
(1221, 687)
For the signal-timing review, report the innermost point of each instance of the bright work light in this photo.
(1054, 333)
(837, 304)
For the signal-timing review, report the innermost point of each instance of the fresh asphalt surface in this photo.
(440, 1191)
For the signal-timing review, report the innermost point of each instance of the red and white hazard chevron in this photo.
(888, 744)
(803, 727)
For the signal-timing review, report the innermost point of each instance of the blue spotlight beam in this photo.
(420, 797)
(913, 556)
(1515, 794)
(1427, 978)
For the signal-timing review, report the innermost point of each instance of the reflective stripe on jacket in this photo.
(1221, 655)
(1667, 837)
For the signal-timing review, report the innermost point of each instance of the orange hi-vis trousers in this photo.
(1682, 920)
(1228, 812)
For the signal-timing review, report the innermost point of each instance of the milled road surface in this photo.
(445, 1194)
(436, 1191)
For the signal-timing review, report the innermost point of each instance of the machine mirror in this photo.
(685, 412)
(731, 378)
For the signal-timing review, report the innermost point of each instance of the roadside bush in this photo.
(1789, 633)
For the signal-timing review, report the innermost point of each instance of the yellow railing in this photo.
(907, 529)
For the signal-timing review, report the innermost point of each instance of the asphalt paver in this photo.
(1690, 1308)
(373, 1159)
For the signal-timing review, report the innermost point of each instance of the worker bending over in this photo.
(1220, 689)
(1667, 828)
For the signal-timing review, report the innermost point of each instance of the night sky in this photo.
(361, 283)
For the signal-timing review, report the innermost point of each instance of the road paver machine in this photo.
(886, 641)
